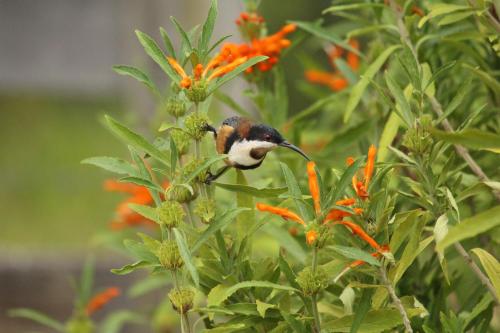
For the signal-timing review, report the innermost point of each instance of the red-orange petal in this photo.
(357, 230)
(101, 299)
(223, 70)
(314, 186)
(177, 67)
(370, 165)
(283, 212)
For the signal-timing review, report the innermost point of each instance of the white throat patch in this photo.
(240, 151)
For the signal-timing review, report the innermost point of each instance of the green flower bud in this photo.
(311, 283)
(417, 139)
(176, 107)
(190, 167)
(182, 140)
(205, 209)
(80, 324)
(181, 299)
(171, 213)
(169, 256)
(180, 193)
(196, 124)
(198, 91)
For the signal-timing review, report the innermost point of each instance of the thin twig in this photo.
(395, 300)
(484, 280)
(436, 106)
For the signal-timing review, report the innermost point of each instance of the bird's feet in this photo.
(210, 178)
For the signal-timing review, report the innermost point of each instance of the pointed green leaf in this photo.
(491, 266)
(186, 256)
(129, 268)
(219, 294)
(139, 75)
(112, 164)
(37, 317)
(253, 191)
(235, 72)
(168, 43)
(208, 27)
(472, 138)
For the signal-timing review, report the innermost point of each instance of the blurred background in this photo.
(56, 83)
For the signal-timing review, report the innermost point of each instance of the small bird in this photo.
(246, 144)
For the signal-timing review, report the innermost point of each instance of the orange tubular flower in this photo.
(358, 231)
(361, 187)
(313, 185)
(335, 80)
(126, 217)
(101, 299)
(283, 212)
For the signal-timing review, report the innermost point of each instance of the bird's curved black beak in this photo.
(294, 148)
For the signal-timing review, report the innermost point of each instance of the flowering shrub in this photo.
(403, 238)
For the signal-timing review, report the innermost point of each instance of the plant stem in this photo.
(314, 301)
(186, 322)
(436, 106)
(396, 300)
(484, 279)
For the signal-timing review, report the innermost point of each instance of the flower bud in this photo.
(198, 91)
(311, 283)
(417, 139)
(171, 213)
(180, 193)
(190, 167)
(196, 125)
(205, 209)
(181, 299)
(169, 256)
(182, 140)
(176, 107)
(80, 324)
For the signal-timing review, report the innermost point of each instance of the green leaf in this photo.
(315, 107)
(486, 78)
(355, 253)
(410, 66)
(135, 140)
(168, 43)
(471, 227)
(37, 317)
(186, 256)
(340, 8)
(204, 167)
(455, 17)
(141, 182)
(208, 27)
(173, 158)
(157, 55)
(289, 243)
(409, 255)
(235, 72)
(388, 134)
(243, 200)
(139, 75)
(318, 31)
(471, 138)
(339, 189)
(462, 91)
(129, 268)
(441, 9)
(253, 191)
(491, 266)
(220, 293)
(229, 101)
(112, 164)
(362, 309)
(295, 192)
(117, 320)
(358, 90)
(440, 231)
(400, 98)
(294, 323)
(375, 321)
(86, 281)
(441, 70)
(216, 225)
(186, 42)
(141, 251)
(263, 307)
(147, 211)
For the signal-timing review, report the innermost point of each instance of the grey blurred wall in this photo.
(69, 46)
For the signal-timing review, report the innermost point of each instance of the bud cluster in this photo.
(181, 299)
(196, 124)
(312, 282)
(171, 213)
(169, 256)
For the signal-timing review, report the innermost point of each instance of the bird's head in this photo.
(268, 138)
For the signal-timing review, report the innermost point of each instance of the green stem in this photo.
(314, 301)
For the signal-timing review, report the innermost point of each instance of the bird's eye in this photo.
(267, 137)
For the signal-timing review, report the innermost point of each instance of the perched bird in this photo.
(246, 144)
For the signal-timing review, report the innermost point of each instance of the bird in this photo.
(246, 144)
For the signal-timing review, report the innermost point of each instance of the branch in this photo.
(395, 300)
(484, 279)
(436, 106)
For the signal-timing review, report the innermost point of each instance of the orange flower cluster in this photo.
(270, 46)
(126, 217)
(202, 72)
(101, 299)
(335, 81)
